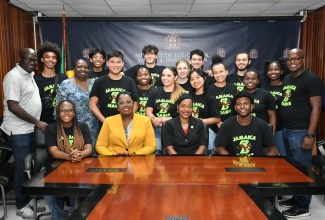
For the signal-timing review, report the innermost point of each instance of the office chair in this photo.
(318, 160)
(33, 162)
(6, 171)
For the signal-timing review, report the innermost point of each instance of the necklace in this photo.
(246, 123)
(184, 125)
(222, 90)
(83, 83)
(143, 91)
(239, 80)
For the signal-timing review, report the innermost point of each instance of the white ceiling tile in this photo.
(201, 2)
(211, 7)
(91, 9)
(84, 2)
(127, 9)
(170, 8)
(250, 7)
(128, 2)
(289, 6)
(316, 6)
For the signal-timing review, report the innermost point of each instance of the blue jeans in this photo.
(279, 143)
(158, 137)
(212, 137)
(293, 140)
(56, 206)
(22, 144)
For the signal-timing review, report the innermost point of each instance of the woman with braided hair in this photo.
(66, 139)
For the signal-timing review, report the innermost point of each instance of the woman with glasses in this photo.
(126, 133)
(66, 139)
(77, 89)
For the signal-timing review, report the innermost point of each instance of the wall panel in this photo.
(313, 43)
(16, 32)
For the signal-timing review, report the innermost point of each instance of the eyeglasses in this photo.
(29, 60)
(125, 103)
(98, 57)
(63, 111)
(289, 59)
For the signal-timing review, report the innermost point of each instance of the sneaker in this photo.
(295, 212)
(286, 203)
(25, 213)
(40, 207)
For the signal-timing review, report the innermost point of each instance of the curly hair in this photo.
(48, 47)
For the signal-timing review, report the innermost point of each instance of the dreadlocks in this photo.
(62, 138)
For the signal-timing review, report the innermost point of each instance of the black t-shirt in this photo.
(276, 92)
(295, 107)
(161, 103)
(187, 86)
(224, 97)
(46, 88)
(143, 99)
(95, 75)
(156, 73)
(237, 81)
(245, 140)
(52, 140)
(263, 101)
(205, 106)
(107, 89)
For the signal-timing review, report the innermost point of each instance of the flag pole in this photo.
(64, 41)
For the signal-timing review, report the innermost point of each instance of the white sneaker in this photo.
(40, 207)
(25, 213)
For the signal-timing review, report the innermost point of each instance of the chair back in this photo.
(5, 149)
(41, 152)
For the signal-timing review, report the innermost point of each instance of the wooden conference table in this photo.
(175, 187)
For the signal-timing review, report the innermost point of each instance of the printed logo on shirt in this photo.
(70, 138)
(154, 77)
(240, 86)
(287, 94)
(163, 107)
(114, 92)
(244, 144)
(196, 109)
(142, 105)
(225, 105)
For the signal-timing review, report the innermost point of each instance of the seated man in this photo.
(244, 134)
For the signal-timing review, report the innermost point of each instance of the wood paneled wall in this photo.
(313, 43)
(16, 32)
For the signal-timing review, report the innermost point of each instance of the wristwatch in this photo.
(310, 135)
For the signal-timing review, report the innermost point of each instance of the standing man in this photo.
(197, 61)
(22, 110)
(97, 59)
(150, 55)
(242, 62)
(106, 88)
(300, 112)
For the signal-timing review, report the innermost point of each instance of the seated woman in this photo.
(126, 133)
(66, 139)
(184, 134)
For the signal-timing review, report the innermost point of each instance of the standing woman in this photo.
(48, 81)
(77, 89)
(274, 70)
(66, 139)
(161, 105)
(183, 68)
(184, 134)
(222, 91)
(144, 89)
(205, 107)
(264, 103)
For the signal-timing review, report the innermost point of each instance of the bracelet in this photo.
(161, 120)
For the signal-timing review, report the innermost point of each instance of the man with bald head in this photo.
(22, 110)
(300, 112)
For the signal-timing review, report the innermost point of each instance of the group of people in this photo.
(149, 108)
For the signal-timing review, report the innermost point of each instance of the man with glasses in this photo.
(22, 110)
(300, 112)
(97, 59)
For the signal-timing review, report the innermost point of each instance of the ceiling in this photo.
(168, 8)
